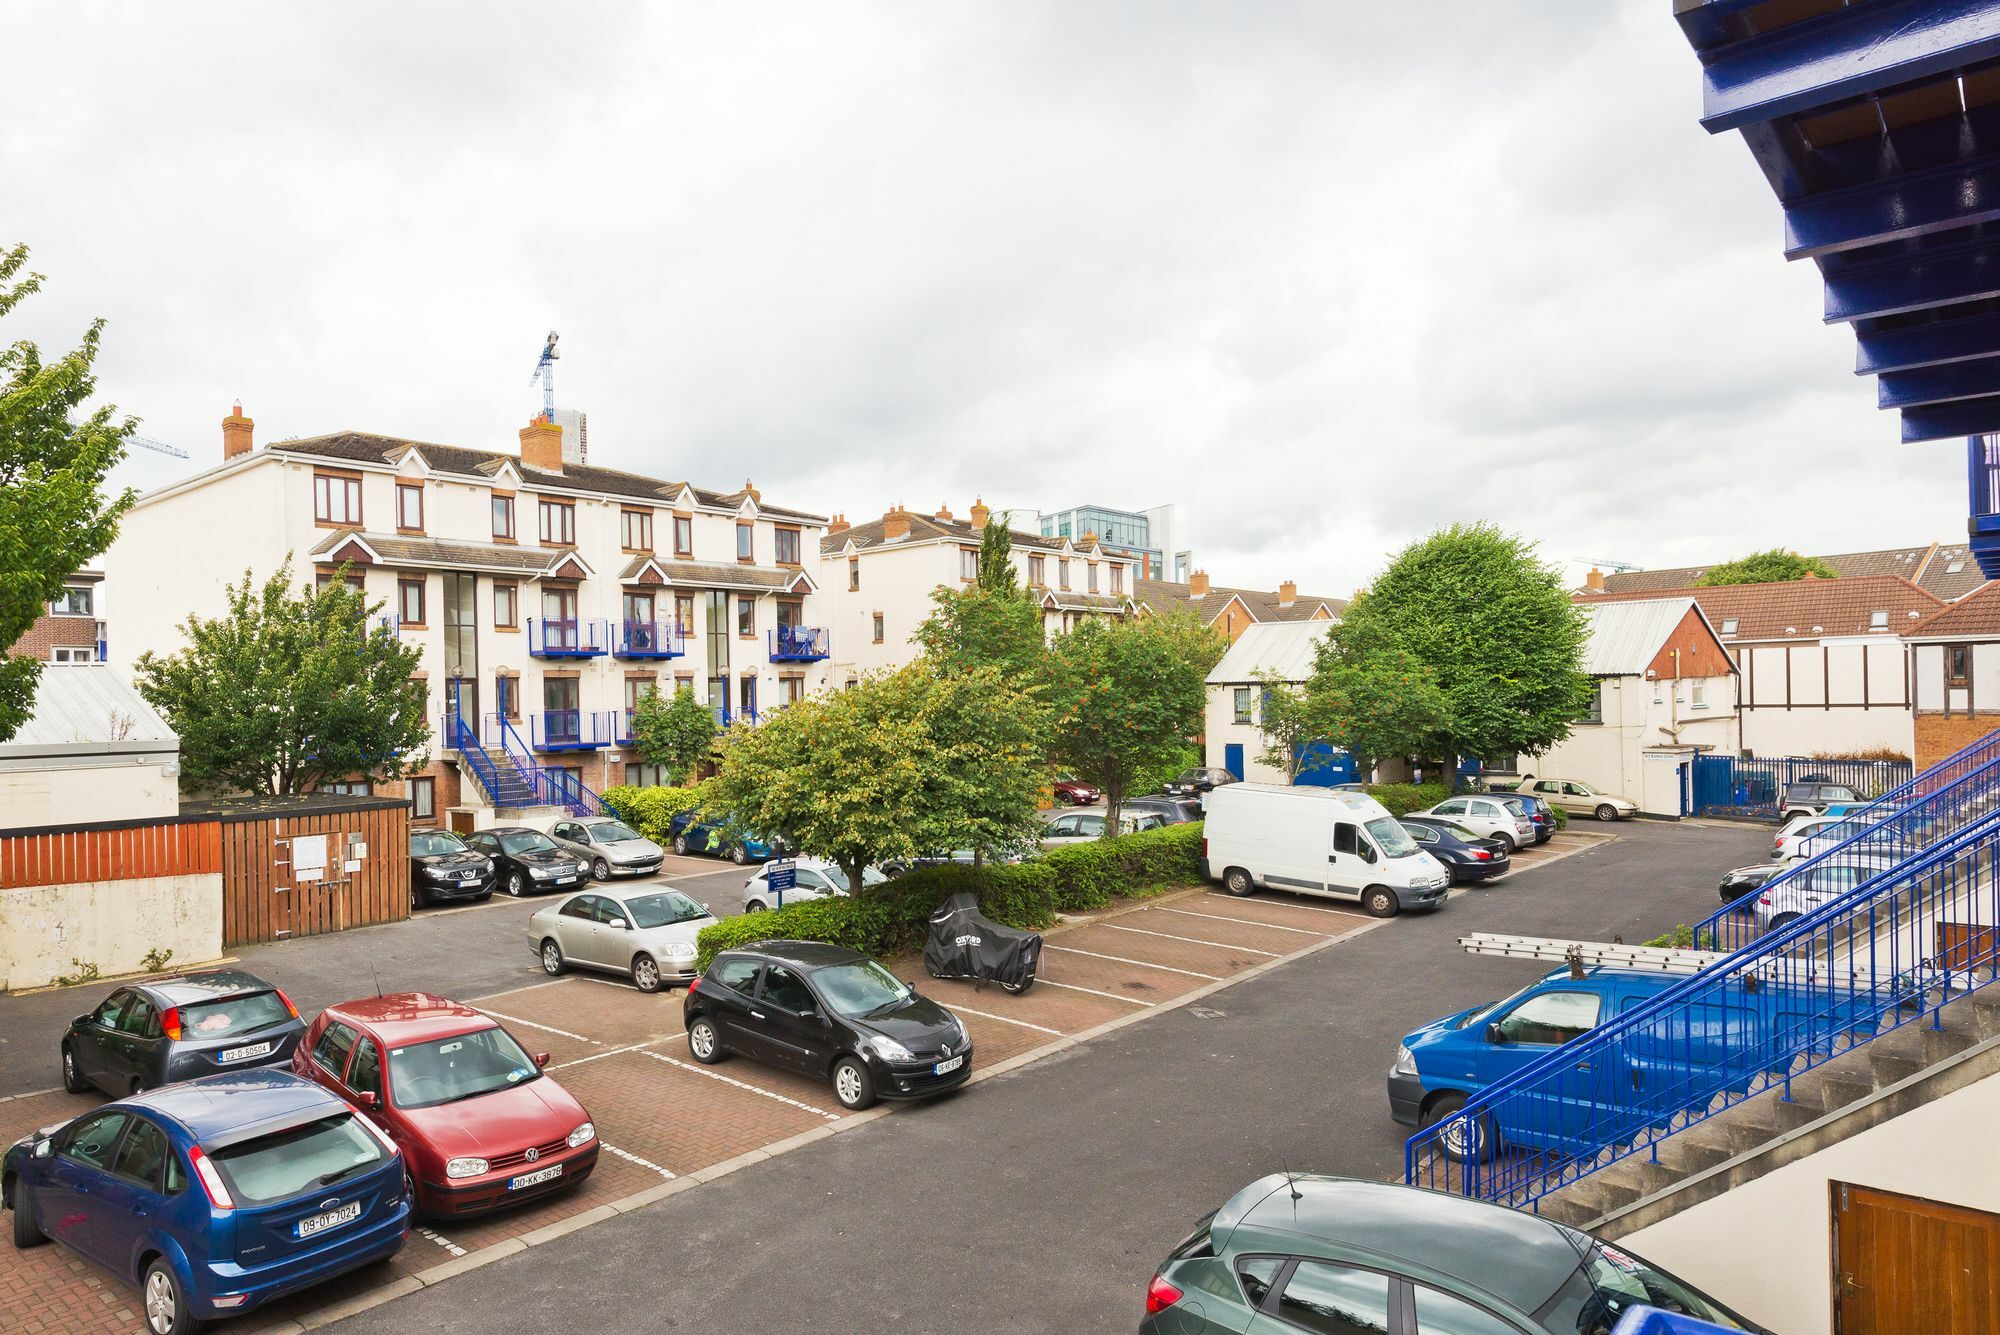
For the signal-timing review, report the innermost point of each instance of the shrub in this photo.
(1403, 798)
(1681, 938)
(649, 810)
(1561, 816)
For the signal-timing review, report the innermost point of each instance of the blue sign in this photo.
(780, 877)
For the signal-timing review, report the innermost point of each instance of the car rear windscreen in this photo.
(305, 1158)
(232, 1016)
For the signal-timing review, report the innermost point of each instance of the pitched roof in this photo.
(85, 708)
(929, 528)
(394, 550)
(1063, 600)
(367, 447)
(1163, 595)
(1802, 609)
(1283, 647)
(1626, 634)
(1930, 567)
(1978, 614)
(701, 574)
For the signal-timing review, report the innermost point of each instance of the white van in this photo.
(1317, 841)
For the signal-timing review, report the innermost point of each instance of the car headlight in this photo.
(680, 950)
(1405, 1063)
(582, 1135)
(464, 1167)
(889, 1050)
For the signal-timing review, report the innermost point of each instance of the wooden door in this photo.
(1902, 1265)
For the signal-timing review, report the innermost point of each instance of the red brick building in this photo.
(72, 629)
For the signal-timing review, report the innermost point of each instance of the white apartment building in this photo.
(547, 595)
(878, 576)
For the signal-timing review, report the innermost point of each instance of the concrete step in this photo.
(1773, 1116)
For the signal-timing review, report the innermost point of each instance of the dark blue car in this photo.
(214, 1196)
(718, 836)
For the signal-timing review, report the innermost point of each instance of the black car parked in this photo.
(442, 867)
(830, 1013)
(149, 1034)
(1172, 810)
(1194, 782)
(1743, 880)
(528, 861)
(1466, 857)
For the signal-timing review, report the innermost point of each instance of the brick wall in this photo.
(1939, 735)
(50, 631)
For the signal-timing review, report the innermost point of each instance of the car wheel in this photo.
(600, 870)
(755, 906)
(852, 1085)
(740, 855)
(73, 1080)
(516, 885)
(1782, 921)
(1237, 882)
(704, 1042)
(1379, 901)
(417, 896)
(1606, 811)
(27, 1232)
(646, 973)
(681, 844)
(1467, 1141)
(1507, 842)
(166, 1306)
(552, 957)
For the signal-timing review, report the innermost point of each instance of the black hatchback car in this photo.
(1468, 858)
(1194, 782)
(149, 1034)
(830, 1013)
(442, 867)
(528, 861)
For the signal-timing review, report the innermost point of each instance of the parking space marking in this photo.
(1038, 1028)
(1191, 940)
(741, 1084)
(1120, 959)
(546, 1028)
(1246, 922)
(1287, 904)
(1130, 1001)
(449, 1246)
(525, 987)
(630, 1157)
(596, 1056)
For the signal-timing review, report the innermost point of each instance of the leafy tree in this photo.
(996, 556)
(1291, 718)
(1478, 611)
(1125, 695)
(904, 764)
(1196, 642)
(290, 689)
(975, 627)
(1769, 567)
(53, 514)
(676, 732)
(1374, 700)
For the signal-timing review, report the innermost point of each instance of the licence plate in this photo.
(251, 1050)
(530, 1179)
(319, 1223)
(565, 880)
(946, 1068)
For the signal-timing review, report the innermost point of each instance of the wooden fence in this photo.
(127, 853)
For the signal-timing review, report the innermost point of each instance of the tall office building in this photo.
(1151, 537)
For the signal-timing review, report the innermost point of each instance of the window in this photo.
(1595, 712)
(142, 1158)
(353, 581)
(410, 601)
(968, 563)
(786, 989)
(792, 688)
(636, 689)
(503, 518)
(683, 535)
(1242, 704)
(1442, 1314)
(423, 799)
(410, 507)
(506, 606)
(737, 975)
(791, 612)
(638, 610)
(337, 499)
(365, 1075)
(74, 653)
(878, 628)
(1954, 567)
(1090, 577)
(1335, 1299)
(1037, 571)
(74, 601)
(638, 530)
(717, 620)
(746, 697)
(507, 696)
(559, 617)
(746, 615)
(1698, 693)
(1878, 621)
(787, 543)
(1257, 1274)
(1062, 571)
(559, 523)
(1118, 579)
(1450, 807)
(92, 1140)
(746, 542)
(1958, 664)
(347, 788)
(332, 1049)
(1552, 1018)
(854, 574)
(1729, 625)
(646, 776)
(684, 612)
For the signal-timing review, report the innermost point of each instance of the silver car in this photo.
(813, 878)
(607, 845)
(1789, 897)
(645, 931)
(1076, 827)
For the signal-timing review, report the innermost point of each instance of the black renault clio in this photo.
(831, 1013)
(154, 1033)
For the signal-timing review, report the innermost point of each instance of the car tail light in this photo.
(1160, 1295)
(170, 1022)
(211, 1179)
(693, 983)
(1483, 854)
(1765, 900)
(288, 1002)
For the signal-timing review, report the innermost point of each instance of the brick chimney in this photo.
(944, 513)
(1288, 593)
(1594, 581)
(980, 513)
(838, 524)
(896, 523)
(752, 492)
(1088, 542)
(541, 446)
(236, 429)
(1198, 584)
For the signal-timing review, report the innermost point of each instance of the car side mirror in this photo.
(1494, 1034)
(80, 1021)
(366, 1099)
(621, 924)
(45, 1147)
(541, 1059)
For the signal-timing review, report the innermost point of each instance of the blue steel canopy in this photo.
(1877, 123)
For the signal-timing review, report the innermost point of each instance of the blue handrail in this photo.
(800, 644)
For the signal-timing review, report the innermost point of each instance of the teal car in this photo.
(1293, 1252)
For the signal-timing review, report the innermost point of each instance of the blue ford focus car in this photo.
(214, 1196)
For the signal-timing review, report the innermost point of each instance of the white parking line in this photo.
(1192, 940)
(451, 1247)
(1281, 904)
(1130, 1001)
(546, 1028)
(526, 987)
(717, 1075)
(1120, 959)
(630, 1157)
(1004, 1020)
(1247, 922)
(596, 1056)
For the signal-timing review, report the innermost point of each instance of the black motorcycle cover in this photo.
(965, 943)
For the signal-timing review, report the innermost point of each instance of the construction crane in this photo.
(545, 371)
(1612, 567)
(156, 446)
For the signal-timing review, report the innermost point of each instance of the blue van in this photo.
(1657, 1069)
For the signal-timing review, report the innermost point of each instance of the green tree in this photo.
(1196, 642)
(54, 516)
(1770, 567)
(290, 689)
(676, 732)
(1491, 624)
(1374, 700)
(996, 556)
(1125, 694)
(974, 627)
(903, 764)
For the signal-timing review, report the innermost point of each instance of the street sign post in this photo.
(780, 876)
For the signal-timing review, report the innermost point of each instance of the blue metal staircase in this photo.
(508, 773)
(1916, 934)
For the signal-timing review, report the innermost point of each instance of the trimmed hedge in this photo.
(891, 918)
(1403, 798)
(648, 810)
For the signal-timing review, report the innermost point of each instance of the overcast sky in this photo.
(1326, 276)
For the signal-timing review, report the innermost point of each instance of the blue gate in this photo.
(1323, 765)
(1755, 785)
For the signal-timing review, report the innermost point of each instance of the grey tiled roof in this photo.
(397, 550)
(1063, 601)
(1161, 595)
(699, 574)
(930, 528)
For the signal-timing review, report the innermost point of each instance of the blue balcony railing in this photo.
(650, 639)
(571, 729)
(1983, 486)
(624, 722)
(572, 638)
(800, 644)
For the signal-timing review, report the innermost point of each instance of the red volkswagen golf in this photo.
(479, 1124)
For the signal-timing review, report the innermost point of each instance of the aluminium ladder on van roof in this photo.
(1660, 959)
